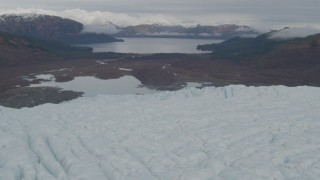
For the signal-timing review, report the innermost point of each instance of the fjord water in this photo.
(153, 45)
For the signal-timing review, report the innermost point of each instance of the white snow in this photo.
(107, 28)
(46, 77)
(233, 132)
(59, 70)
(42, 77)
(125, 69)
(194, 84)
(105, 61)
(102, 62)
(21, 17)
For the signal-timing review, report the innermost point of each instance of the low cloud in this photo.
(105, 29)
(290, 33)
(106, 21)
(105, 17)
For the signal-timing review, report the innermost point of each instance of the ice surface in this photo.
(233, 132)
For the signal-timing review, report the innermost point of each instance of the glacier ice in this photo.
(232, 132)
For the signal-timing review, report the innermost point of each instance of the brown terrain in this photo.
(292, 64)
(161, 74)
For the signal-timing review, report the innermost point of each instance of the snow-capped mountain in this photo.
(217, 32)
(49, 28)
(57, 28)
(21, 17)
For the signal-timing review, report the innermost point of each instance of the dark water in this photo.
(152, 45)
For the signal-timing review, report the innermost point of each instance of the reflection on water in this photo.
(153, 45)
(92, 86)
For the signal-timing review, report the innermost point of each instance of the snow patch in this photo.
(46, 77)
(102, 62)
(60, 70)
(125, 69)
(193, 84)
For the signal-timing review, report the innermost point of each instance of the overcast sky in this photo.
(257, 13)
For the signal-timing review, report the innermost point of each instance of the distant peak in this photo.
(23, 15)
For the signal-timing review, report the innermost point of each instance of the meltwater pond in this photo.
(92, 86)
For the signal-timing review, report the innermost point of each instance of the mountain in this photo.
(50, 28)
(72, 32)
(293, 52)
(15, 50)
(267, 51)
(239, 47)
(214, 32)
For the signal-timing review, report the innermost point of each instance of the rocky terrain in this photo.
(50, 28)
(266, 51)
(17, 51)
(291, 63)
(214, 32)
(295, 52)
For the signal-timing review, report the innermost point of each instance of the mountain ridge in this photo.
(48, 27)
(17, 50)
(268, 51)
(70, 31)
(225, 31)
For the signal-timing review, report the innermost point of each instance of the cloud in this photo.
(263, 17)
(27, 10)
(289, 33)
(105, 17)
(106, 29)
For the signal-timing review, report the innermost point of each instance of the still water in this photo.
(152, 45)
(92, 86)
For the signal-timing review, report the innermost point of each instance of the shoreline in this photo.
(159, 71)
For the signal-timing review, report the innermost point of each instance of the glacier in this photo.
(233, 132)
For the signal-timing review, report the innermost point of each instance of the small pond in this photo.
(92, 86)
